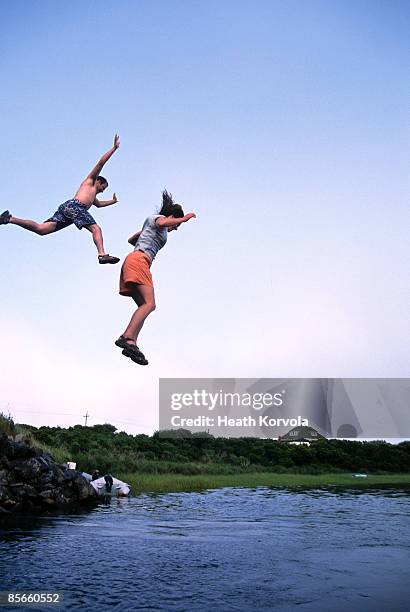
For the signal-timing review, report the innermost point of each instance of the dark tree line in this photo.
(104, 447)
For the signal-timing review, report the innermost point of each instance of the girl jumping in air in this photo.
(136, 280)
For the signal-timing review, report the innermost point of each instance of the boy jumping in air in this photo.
(76, 210)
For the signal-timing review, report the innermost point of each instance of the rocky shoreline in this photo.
(32, 482)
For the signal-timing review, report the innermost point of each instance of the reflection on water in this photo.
(225, 549)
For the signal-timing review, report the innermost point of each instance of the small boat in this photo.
(359, 475)
(107, 485)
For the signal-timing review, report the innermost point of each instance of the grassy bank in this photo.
(189, 463)
(165, 483)
(195, 462)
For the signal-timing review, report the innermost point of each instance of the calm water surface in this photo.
(225, 549)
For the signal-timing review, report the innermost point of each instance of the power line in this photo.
(41, 412)
(86, 416)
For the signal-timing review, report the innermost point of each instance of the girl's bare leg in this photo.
(38, 228)
(144, 297)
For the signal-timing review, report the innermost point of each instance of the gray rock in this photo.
(19, 490)
(30, 469)
(30, 480)
(4, 462)
(4, 493)
(4, 480)
(46, 480)
(23, 439)
(81, 487)
(62, 500)
(58, 474)
(5, 444)
(31, 491)
(21, 451)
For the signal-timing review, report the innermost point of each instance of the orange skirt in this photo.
(135, 271)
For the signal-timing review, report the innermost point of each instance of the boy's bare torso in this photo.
(87, 192)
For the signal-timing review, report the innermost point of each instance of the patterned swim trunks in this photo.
(72, 211)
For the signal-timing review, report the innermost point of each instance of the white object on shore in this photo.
(359, 475)
(71, 465)
(118, 489)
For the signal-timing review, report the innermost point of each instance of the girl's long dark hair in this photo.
(169, 207)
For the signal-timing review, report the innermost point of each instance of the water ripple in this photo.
(224, 549)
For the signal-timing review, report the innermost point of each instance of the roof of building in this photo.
(301, 434)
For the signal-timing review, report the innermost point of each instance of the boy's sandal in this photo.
(108, 259)
(5, 217)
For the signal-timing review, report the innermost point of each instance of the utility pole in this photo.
(86, 415)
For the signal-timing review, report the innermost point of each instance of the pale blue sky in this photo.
(282, 124)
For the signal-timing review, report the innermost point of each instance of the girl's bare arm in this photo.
(171, 221)
(133, 239)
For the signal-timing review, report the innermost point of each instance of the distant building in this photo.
(301, 435)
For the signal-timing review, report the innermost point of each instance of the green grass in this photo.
(165, 483)
(7, 425)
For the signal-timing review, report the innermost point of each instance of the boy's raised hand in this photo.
(114, 198)
(116, 141)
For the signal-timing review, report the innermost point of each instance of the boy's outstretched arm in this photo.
(100, 164)
(102, 203)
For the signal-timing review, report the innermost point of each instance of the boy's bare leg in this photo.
(97, 237)
(103, 257)
(38, 228)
